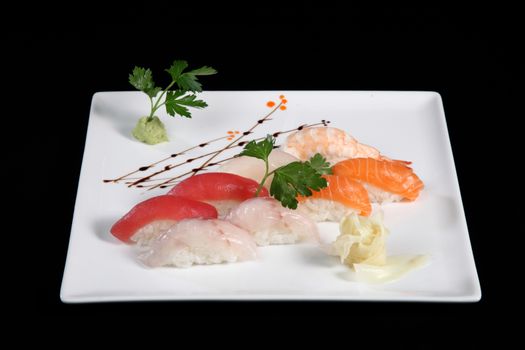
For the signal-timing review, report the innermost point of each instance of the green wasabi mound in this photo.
(177, 101)
(150, 131)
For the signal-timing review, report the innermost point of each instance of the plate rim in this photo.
(476, 296)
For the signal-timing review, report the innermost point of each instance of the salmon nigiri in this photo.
(151, 217)
(342, 196)
(222, 190)
(385, 180)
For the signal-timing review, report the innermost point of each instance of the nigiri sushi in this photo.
(385, 180)
(271, 223)
(254, 168)
(152, 216)
(198, 241)
(223, 191)
(332, 143)
(341, 197)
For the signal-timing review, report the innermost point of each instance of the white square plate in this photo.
(403, 125)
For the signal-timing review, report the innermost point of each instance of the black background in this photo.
(468, 56)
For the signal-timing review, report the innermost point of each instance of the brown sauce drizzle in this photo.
(151, 181)
(171, 181)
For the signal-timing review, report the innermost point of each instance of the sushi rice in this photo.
(199, 242)
(319, 209)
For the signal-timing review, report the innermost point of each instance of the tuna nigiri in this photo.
(223, 191)
(197, 241)
(385, 180)
(152, 216)
(341, 197)
(271, 223)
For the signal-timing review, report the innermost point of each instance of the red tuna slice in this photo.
(160, 208)
(217, 186)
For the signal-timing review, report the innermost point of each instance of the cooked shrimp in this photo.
(332, 143)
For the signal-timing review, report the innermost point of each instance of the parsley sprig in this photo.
(290, 180)
(177, 100)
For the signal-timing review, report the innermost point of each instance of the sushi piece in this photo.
(197, 241)
(223, 191)
(332, 143)
(271, 223)
(385, 180)
(151, 217)
(341, 197)
(254, 168)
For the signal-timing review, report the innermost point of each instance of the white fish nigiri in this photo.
(198, 241)
(271, 223)
(254, 168)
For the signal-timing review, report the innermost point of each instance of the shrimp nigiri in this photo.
(332, 143)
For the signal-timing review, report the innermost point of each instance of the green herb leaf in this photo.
(283, 191)
(190, 100)
(175, 109)
(153, 92)
(176, 100)
(189, 82)
(175, 94)
(172, 106)
(260, 150)
(204, 70)
(142, 80)
(319, 163)
(293, 179)
(177, 68)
